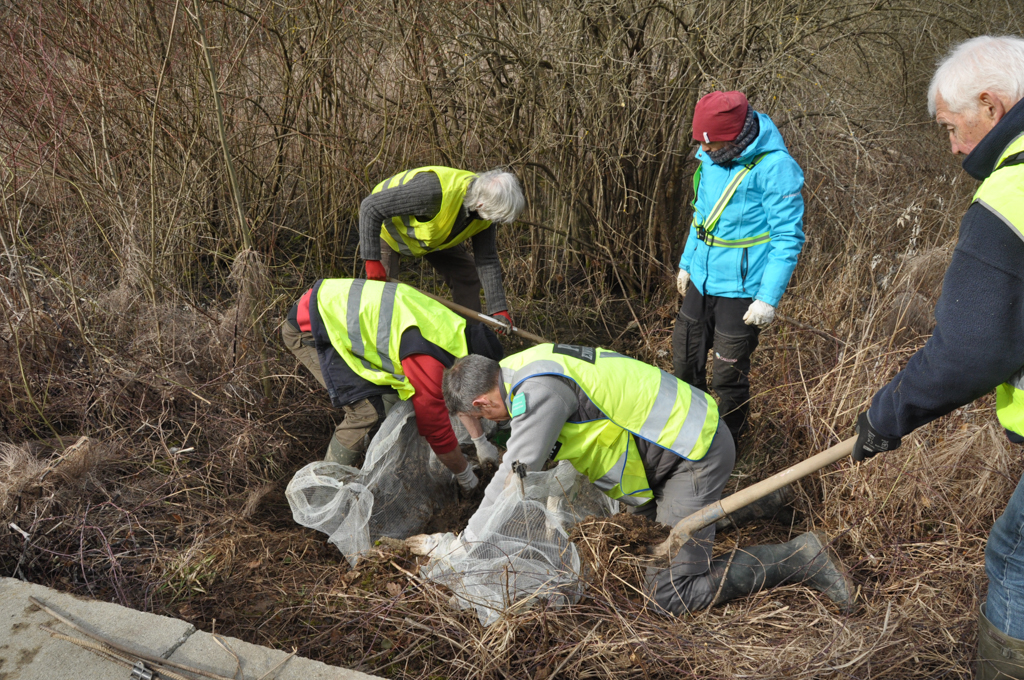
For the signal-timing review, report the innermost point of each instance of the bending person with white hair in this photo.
(429, 212)
(978, 342)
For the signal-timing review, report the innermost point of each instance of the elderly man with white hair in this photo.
(978, 343)
(429, 212)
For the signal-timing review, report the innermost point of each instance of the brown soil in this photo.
(454, 518)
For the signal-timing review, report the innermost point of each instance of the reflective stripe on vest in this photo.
(365, 321)
(1002, 193)
(408, 236)
(393, 229)
(1010, 403)
(716, 242)
(637, 400)
(607, 455)
(707, 225)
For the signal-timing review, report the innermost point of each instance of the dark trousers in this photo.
(708, 322)
(455, 265)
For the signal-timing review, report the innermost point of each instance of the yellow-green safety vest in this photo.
(639, 400)
(365, 321)
(707, 225)
(408, 236)
(1003, 194)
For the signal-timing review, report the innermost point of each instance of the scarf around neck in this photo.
(730, 152)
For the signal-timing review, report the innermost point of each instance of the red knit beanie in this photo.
(719, 116)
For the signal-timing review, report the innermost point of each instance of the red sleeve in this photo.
(302, 315)
(424, 373)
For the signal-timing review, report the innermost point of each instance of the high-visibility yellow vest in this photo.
(706, 226)
(408, 236)
(1003, 194)
(639, 400)
(365, 321)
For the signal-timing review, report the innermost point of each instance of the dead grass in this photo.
(185, 516)
(131, 314)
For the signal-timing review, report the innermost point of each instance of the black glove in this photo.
(869, 442)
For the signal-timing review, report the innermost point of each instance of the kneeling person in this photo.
(645, 438)
(367, 342)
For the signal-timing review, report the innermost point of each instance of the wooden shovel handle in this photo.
(663, 553)
(480, 316)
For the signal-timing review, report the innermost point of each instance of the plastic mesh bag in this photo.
(519, 551)
(401, 486)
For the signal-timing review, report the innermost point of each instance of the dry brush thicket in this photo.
(173, 173)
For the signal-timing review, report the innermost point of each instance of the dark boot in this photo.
(774, 506)
(341, 454)
(806, 559)
(1000, 656)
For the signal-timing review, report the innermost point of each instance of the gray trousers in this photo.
(455, 265)
(693, 485)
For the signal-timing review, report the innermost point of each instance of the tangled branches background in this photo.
(174, 173)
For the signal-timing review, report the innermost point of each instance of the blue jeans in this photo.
(1004, 564)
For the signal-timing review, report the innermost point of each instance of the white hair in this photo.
(983, 64)
(496, 196)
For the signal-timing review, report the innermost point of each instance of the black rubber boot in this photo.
(806, 559)
(1000, 657)
(774, 506)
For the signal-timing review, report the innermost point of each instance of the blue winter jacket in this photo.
(769, 200)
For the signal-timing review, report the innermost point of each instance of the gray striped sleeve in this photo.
(488, 268)
(420, 197)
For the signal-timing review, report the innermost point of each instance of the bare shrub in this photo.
(134, 312)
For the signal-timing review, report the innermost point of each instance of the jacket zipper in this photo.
(743, 270)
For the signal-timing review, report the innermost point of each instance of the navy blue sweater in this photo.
(978, 341)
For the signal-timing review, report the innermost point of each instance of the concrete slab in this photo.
(202, 651)
(29, 653)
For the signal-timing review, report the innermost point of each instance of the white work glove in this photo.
(467, 479)
(486, 451)
(423, 544)
(682, 278)
(759, 314)
(436, 545)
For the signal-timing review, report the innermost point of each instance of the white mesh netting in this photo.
(515, 553)
(400, 487)
(518, 551)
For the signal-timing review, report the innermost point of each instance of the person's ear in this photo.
(991, 106)
(480, 401)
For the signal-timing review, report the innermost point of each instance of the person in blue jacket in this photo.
(743, 244)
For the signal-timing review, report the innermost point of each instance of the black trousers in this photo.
(456, 267)
(708, 322)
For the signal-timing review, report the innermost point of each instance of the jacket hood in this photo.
(768, 139)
